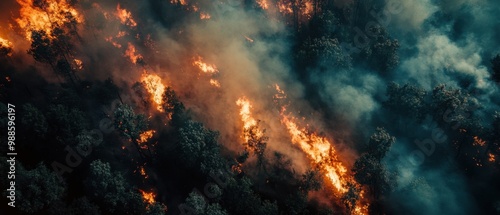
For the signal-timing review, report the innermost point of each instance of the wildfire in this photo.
(263, 4)
(215, 83)
(125, 16)
(131, 53)
(181, 2)
(491, 157)
(143, 172)
(206, 68)
(321, 152)
(5, 43)
(45, 15)
(5, 47)
(79, 64)
(478, 141)
(204, 15)
(148, 197)
(248, 121)
(145, 136)
(155, 87)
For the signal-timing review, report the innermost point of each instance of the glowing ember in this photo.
(143, 172)
(206, 68)
(125, 16)
(181, 2)
(478, 141)
(79, 64)
(248, 39)
(214, 83)
(204, 15)
(131, 53)
(45, 15)
(148, 197)
(263, 4)
(491, 157)
(155, 87)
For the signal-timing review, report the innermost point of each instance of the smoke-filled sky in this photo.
(214, 53)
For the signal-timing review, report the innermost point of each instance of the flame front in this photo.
(125, 16)
(248, 121)
(45, 15)
(155, 87)
(205, 67)
(131, 53)
(322, 154)
(263, 4)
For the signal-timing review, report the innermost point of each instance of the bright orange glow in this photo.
(206, 68)
(125, 16)
(263, 4)
(478, 141)
(45, 16)
(145, 136)
(5, 43)
(79, 64)
(143, 173)
(115, 44)
(204, 15)
(148, 197)
(131, 53)
(491, 157)
(322, 153)
(215, 83)
(248, 120)
(155, 87)
(181, 2)
(6, 46)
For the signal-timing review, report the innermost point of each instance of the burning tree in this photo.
(130, 125)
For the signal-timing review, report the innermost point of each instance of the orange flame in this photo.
(148, 197)
(206, 68)
(145, 136)
(45, 16)
(263, 4)
(125, 16)
(322, 153)
(215, 83)
(78, 63)
(246, 117)
(491, 157)
(478, 141)
(155, 87)
(181, 2)
(131, 53)
(204, 15)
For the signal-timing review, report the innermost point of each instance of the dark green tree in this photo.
(38, 188)
(406, 100)
(34, 119)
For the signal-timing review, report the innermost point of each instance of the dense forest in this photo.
(250, 107)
